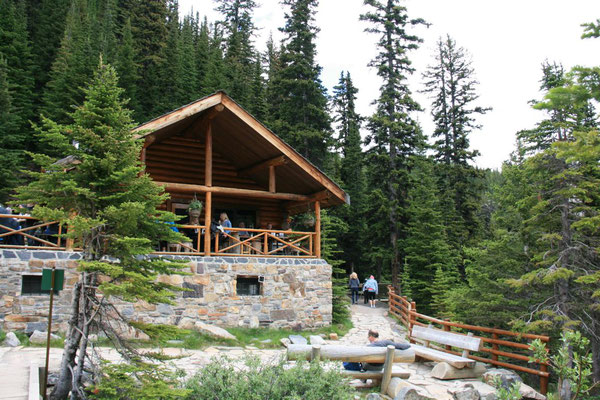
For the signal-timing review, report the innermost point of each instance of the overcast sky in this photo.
(508, 41)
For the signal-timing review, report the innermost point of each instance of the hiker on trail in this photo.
(373, 337)
(371, 290)
(354, 285)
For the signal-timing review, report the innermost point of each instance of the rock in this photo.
(285, 342)
(507, 378)
(213, 330)
(11, 340)
(316, 339)
(333, 336)
(175, 342)
(486, 392)
(266, 341)
(529, 393)
(38, 337)
(443, 370)
(373, 396)
(401, 389)
(186, 323)
(466, 392)
(407, 393)
(297, 339)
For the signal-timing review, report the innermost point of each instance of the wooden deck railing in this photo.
(500, 347)
(259, 242)
(35, 234)
(30, 233)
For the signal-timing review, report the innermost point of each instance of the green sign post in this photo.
(52, 280)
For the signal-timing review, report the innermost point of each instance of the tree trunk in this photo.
(64, 383)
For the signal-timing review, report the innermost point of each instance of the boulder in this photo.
(285, 342)
(443, 370)
(314, 339)
(186, 323)
(466, 392)
(11, 340)
(401, 389)
(333, 336)
(529, 393)
(38, 337)
(213, 330)
(507, 378)
(373, 396)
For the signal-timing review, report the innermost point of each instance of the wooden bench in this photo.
(429, 334)
(388, 356)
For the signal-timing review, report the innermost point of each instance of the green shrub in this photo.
(224, 380)
(138, 380)
(2, 335)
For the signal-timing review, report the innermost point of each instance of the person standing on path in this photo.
(371, 290)
(354, 286)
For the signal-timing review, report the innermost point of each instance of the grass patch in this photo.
(2, 335)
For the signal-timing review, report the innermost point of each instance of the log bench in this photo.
(388, 356)
(465, 342)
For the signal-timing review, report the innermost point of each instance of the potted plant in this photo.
(195, 208)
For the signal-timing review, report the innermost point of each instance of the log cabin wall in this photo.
(182, 160)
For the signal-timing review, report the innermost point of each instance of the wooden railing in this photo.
(30, 233)
(500, 347)
(258, 242)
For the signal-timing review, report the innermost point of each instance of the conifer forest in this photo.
(515, 248)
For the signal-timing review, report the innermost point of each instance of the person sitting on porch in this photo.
(243, 234)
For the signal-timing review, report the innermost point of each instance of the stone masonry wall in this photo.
(295, 292)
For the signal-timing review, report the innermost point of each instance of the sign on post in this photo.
(52, 281)
(59, 279)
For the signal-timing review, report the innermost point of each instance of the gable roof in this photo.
(247, 144)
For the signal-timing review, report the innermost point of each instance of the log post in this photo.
(207, 220)
(494, 346)
(272, 184)
(447, 329)
(315, 353)
(317, 229)
(208, 182)
(543, 380)
(465, 353)
(387, 368)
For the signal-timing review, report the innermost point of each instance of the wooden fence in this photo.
(500, 347)
(21, 231)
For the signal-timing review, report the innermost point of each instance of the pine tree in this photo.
(426, 247)
(240, 52)
(451, 84)
(73, 66)
(127, 68)
(395, 136)
(187, 75)
(15, 48)
(214, 78)
(202, 51)
(352, 174)
(111, 208)
(299, 114)
(10, 140)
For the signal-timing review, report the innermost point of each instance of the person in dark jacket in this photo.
(354, 285)
(373, 337)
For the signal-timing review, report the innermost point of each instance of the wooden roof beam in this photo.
(273, 162)
(201, 124)
(190, 188)
(318, 196)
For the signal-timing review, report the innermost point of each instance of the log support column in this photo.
(317, 229)
(272, 185)
(208, 183)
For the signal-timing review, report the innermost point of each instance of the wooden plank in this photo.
(273, 162)
(439, 356)
(447, 338)
(318, 229)
(387, 368)
(350, 353)
(191, 188)
(179, 114)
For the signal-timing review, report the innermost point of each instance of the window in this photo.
(248, 285)
(32, 285)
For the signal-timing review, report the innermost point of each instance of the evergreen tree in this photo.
(214, 78)
(171, 76)
(127, 68)
(111, 209)
(202, 51)
(10, 140)
(73, 66)
(352, 174)
(149, 29)
(451, 83)
(187, 75)
(257, 103)
(395, 136)
(240, 53)
(15, 48)
(426, 247)
(299, 113)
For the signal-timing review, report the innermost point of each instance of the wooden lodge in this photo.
(215, 150)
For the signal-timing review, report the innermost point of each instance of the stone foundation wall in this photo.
(295, 292)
